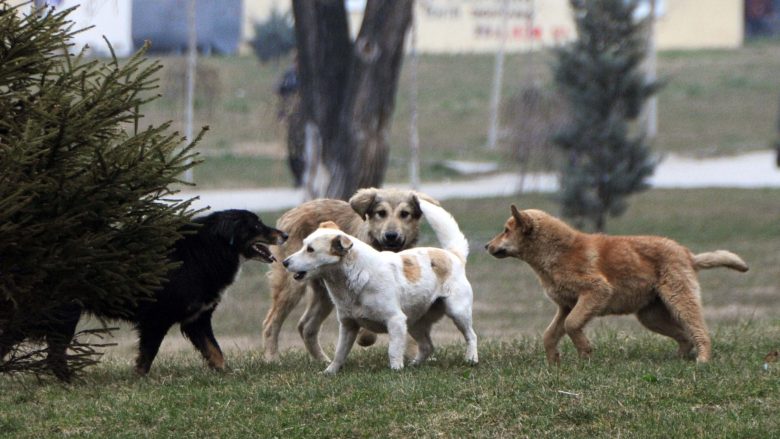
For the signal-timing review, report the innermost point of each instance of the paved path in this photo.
(753, 170)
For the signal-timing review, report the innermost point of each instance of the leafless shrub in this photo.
(532, 117)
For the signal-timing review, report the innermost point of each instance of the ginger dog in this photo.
(391, 292)
(591, 275)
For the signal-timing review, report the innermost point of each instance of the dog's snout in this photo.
(391, 236)
(487, 246)
(286, 262)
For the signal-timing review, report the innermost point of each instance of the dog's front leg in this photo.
(396, 330)
(348, 331)
(553, 334)
(589, 305)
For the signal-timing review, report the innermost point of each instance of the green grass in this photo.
(716, 102)
(232, 171)
(634, 386)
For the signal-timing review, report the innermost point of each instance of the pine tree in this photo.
(606, 156)
(86, 215)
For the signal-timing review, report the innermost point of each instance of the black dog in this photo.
(210, 253)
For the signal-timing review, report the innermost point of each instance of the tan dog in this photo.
(392, 292)
(590, 275)
(387, 219)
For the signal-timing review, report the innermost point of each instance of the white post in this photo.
(498, 76)
(414, 137)
(192, 59)
(651, 128)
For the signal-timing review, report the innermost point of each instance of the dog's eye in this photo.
(404, 214)
(381, 213)
(310, 249)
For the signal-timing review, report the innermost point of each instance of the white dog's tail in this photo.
(446, 228)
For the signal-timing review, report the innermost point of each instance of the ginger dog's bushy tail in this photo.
(719, 258)
(446, 228)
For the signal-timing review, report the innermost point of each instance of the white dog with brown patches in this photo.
(391, 292)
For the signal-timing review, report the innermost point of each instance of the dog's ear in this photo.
(340, 245)
(414, 202)
(523, 221)
(329, 225)
(427, 198)
(415, 205)
(363, 200)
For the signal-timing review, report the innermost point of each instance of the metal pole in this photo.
(498, 76)
(192, 60)
(414, 137)
(651, 128)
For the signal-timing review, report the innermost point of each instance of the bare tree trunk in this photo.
(348, 90)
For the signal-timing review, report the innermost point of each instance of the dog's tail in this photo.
(446, 228)
(719, 258)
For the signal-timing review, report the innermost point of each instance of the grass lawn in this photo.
(633, 386)
(716, 102)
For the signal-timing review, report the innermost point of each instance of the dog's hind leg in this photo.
(200, 333)
(459, 310)
(150, 336)
(421, 333)
(553, 334)
(318, 307)
(680, 294)
(285, 295)
(657, 318)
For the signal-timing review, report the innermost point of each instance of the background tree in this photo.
(86, 218)
(274, 37)
(348, 91)
(533, 116)
(606, 156)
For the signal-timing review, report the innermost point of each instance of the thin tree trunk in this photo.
(498, 75)
(651, 128)
(192, 62)
(414, 136)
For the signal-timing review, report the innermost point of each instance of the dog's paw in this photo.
(472, 359)
(397, 366)
(331, 370)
